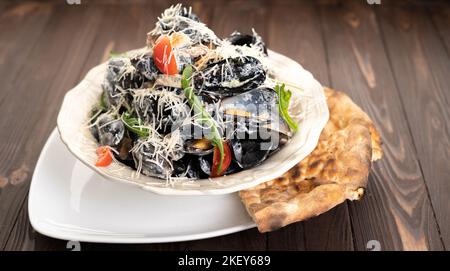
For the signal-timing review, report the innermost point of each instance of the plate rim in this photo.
(167, 190)
(54, 232)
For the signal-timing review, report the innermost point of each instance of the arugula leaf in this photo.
(103, 105)
(205, 117)
(132, 124)
(113, 54)
(284, 96)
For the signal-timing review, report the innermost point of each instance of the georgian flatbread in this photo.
(335, 171)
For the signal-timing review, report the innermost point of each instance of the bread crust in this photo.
(336, 170)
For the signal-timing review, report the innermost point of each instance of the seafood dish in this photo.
(190, 104)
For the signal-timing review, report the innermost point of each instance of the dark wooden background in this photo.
(392, 59)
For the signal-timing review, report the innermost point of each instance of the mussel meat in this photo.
(198, 147)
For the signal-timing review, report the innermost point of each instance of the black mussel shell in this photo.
(239, 39)
(119, 78)
(192, 168)
(94, 131)
(179, 168)
(110, 131)
(146, 66)
(167, 117)
(230, 76)
(131, 79)
(153, 164)
(113, 94)
(249, 153)
(205, 163)
(185, 12)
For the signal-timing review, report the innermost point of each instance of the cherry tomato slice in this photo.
(216, 160)
(104, 156)
(163, 56)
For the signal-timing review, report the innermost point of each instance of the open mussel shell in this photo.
(255, 111)
(239, 39)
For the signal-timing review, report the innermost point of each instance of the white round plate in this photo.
(308, 106)
(69, 201)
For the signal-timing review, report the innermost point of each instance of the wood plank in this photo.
(35, 100)
(250, 240)
(396, 210)
(441, 19)
(421, 67)
(25, 238)
(332, 230)
(20, 27)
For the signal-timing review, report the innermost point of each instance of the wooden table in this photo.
(392, 59)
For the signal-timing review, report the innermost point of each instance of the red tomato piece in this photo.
(104, 156)
(163, 56)
(216, 160)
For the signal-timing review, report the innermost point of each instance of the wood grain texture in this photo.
(25, 238)
(421, 69)
(392, 59)
(332, 230)
(53, 69)
(396, 210)
(440, 15)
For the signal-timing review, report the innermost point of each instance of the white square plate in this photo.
(69, 201)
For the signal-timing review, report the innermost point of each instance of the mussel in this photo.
(110, 131)
(255, 113)
(205, 165)
(151, 161)
(179, 169)
(146, 66)
(120, 76)
(156, 110)
(180, 19)
(249, 153)
(170, 24)
(193, 169)
(230, 76)
(187, 12)
(237, 38)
